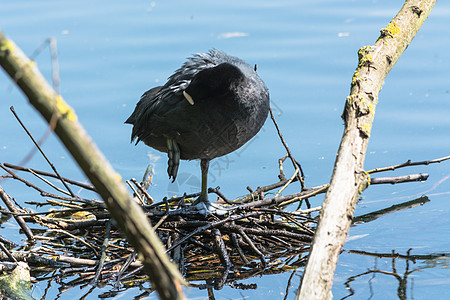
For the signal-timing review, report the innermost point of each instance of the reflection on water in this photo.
(400, 270)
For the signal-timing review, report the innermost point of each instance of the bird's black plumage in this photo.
(208, 108)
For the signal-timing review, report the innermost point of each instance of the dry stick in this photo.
(6, 241)
(141, 201)
(142, 190)
(287, 183)
(211, 225)
(101, 262)
(42, 152)
(281, 176)
(239, 249)
(7, 200)
(399, 179)
(224, 258)
(253, 247)
(311, 192)
(129, 216)
(50, 184)
(124, 267)
(74, 237)
(281, 200)
(219, 193)
(51, 42)
(55, 64)
(349, 179)
(80, 184)
(269, 187)
(254, 194)
(6, 251)
(301, 237)
(294, 162)
(46, 194)
(55, 77)
(32, 259)
(408, 163)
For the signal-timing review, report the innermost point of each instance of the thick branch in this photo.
(349, 179)
(130, 217)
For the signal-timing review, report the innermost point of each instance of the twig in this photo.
(208, 226)
(124, 267)
(6, 241)
(236, 244)
(6, 251)
(219, 193)
(42, 152)
(51, 42)
(253, 247)
(294, 162)
(135, 192)
(80, 184)
(7, 200)
(46, 194)
(281, 176)
(74, 237)
(32, 258)
(142, 190)
(288, 285)
(283, 200)
(301, 237)
(50, 184)
(254, 194)
(58, 211)
(223, 255)
(27, 183)
(409, 163)
(287, 183)
(399, 179)
(101, 262)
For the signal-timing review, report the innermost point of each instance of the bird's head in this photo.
(214, 83)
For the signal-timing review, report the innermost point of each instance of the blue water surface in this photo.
(110, 52)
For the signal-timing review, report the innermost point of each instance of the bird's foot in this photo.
(205, 207)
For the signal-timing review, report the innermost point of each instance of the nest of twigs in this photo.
(76, 242)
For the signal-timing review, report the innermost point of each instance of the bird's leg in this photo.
(204, 165)
(173, 152)
(202, 203)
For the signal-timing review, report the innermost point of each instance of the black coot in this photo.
(210, 107)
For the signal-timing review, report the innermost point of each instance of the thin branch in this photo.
(296, 165)
(42, 152)
(142, 190)
(7, 200)
(409, 163)
(399, 179)
(101, 261)
(80, 184)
